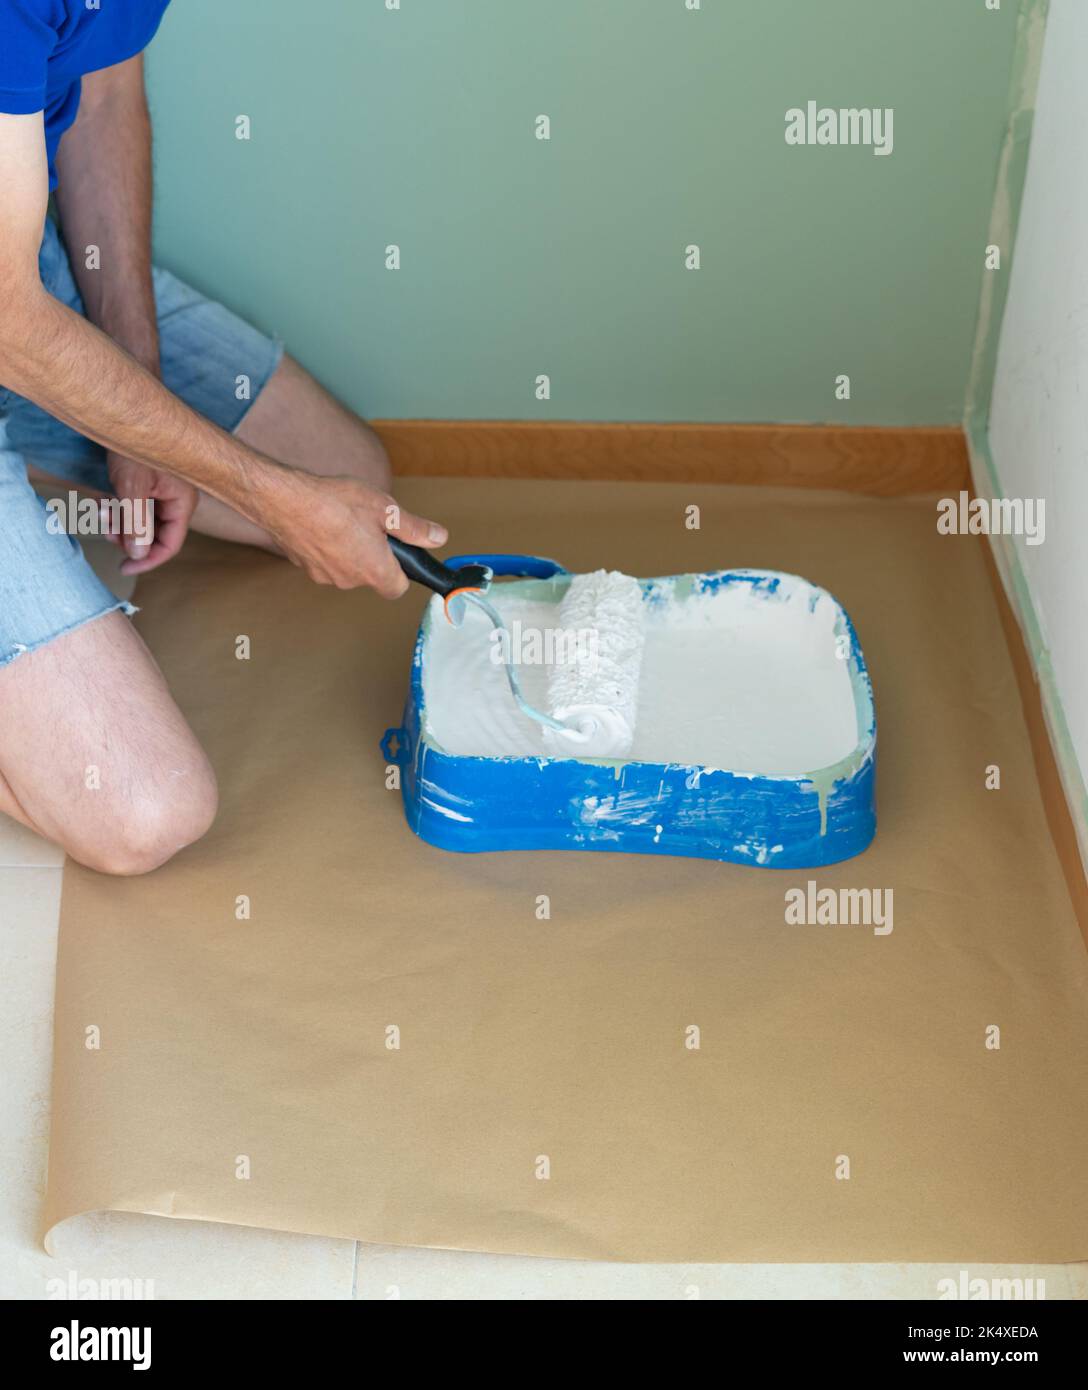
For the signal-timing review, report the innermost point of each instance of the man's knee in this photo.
(153, 827)
(370, 462)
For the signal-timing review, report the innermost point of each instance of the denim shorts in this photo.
(46, 585)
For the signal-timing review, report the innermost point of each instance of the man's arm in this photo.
(334, 528)
(104, 200)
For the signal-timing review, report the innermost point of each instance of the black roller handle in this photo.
(424, 568)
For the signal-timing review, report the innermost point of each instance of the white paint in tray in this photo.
(738, 677)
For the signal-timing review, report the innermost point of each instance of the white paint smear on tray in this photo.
(735, 678)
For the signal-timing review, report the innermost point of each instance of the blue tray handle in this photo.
(533, 566)
(401, 753)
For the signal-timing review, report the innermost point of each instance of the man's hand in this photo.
(160, 514)
(337, 530)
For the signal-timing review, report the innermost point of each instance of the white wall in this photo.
(1039, 417)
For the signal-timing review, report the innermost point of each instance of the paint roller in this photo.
(594, 677)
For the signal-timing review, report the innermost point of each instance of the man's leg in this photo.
(95, 755)
(296, 421)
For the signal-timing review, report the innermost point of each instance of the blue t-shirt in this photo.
(47, 45)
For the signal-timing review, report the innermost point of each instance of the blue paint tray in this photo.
(773, 817)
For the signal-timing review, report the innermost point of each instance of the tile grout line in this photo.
(354, 1271)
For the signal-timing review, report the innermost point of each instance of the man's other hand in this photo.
(154, 527)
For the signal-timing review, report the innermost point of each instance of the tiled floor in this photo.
(178, 1259)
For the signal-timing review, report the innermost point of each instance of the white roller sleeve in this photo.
(593, 681)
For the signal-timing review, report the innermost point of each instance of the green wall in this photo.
(566, 257)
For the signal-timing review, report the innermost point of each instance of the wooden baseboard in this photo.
(886, 462)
